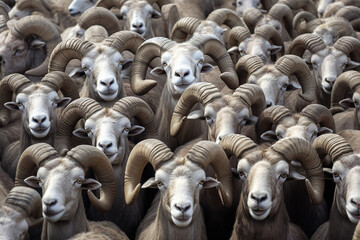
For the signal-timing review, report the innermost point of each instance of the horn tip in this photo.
(230, 79)
(131, 196)
(315, 197)
(145, 87)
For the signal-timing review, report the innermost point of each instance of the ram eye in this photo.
(39, 180)
(121, 62)
(56, 101)
(336, 175)
(315, 134)
(201, 61)
(79, 181)
(283, 175)
(19, 104)
(126, 129)
(159, 184)
(285, 86)
(164, 64)
(241, 174)
(201, 182)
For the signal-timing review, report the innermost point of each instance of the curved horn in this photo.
(247, 65)
(138, 108)
(304, 42)
(282, 13)
(13, 83)
(150, 150)
(253, 96)
(184, 27)
(346, 80)
(270, 116)
(225, 16)
(80, 108)
(199, 92)
(349, 12)
(3, 25)
(99, 16)
(91, 157)
(206, 153)
(147, 51)
(310, 19)
(44, 29)
(333, 145)
(290, 149)
(108, 4)
(26, 200)
(339, 27)
(237, 35)
(124, 40)
(59, 81)
(251, 17)
(308, 6)
(320, 115)
(238, 145)
(64, 52)
(351, 2)
(32, 157)
(350, 46)
(291, 64)
(216, 50)
(269, 33)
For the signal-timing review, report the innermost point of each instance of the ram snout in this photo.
(352, 193)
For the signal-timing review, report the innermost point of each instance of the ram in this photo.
(261, 211)
(37, 103)
(61, 180)
(176, 212)
(27, 45)
(182, 63)
(108, 129)
(242, 6)
(19, 210)
(344, 213)
(328, 62)
(275, 79)
(77, 7)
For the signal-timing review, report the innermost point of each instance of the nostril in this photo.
(355, 203)
(186, 73)
(177, 74)
(263, 198)
(51, 202)
(140, 25)
(182, 208)
(39, 119)
(268, 104)
(259, 199)
(105, 145)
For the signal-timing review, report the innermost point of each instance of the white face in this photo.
(243, 5)
(13, 225)
(77, 7)
(257, 46)
(308, 132)
(272, 22)
(103, 68)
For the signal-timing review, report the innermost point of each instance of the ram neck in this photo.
(322, 97)
(66, 229)
(26, 140)
(273, 227)
(340, 226)
(356, 119)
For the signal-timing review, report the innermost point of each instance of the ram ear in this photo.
(351, 65)
(251, 120)
(90, 184)
(210, 182)
(294, 175)
(32, 181)
(63, 102)
(347, 103)
(269, 136)
(36, 43)
(80, 133)
(77, 72)
(136, 130)
(197, 114)
(324, 130)
(150, 183)
(234, 49)
(293, 85)
(274, 49)
(11, 106)
(207, 67)
(158, 71)
(156, 14)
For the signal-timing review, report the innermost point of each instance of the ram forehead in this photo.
(347, 162)
(37, 88)
(185, 49)
(102, 51)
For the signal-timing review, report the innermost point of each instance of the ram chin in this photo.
(354, 218)
(108, 97)
(53, 217)
(40, 134)
(112, 158)
(259, 214)
(181, 222)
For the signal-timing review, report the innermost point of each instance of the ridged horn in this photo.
(45, 30)
(304, 42)
(347, 80)
(184, 27)
(13, 83)
(138, 108)
(202, 92)
(291, 64)
(147, 51)
(59, 81)
(333, 145)
(64, 52)
(216, 50)
(247, 65)
(269, 33)
(238, 145)
(225, 16)
(308, 6)
(76, 110)
(124, 40)
(311, 22)
(282, 13)
(206, 153)
(237, 35)
(91, 157)
(32, 157)
(251, 17)
(253, 96)
(99, 16)
(349, 12)
(320, 115)
(350, 46)
(270, 116)
(108, 4)
(150, 151)
(26, 200)
(339, 27)
(299, 149)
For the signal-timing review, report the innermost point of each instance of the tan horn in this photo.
(253, 96)
(238, 145)
(307, 41)
(237, 35)
(350, 46)
(284, 14)
(64, 52)
(184, 27)
(124, 40)
(356, 235)
(158, 2)
(150, 151)
(346, 80)
(202, 92)
(13, 83)
(225, 16)
(311, 22)
(147, 51)
(349, 12)
(91, 157)
(307, 5)
(206, 153)
(247, 65)
(320, 115)
(251, 17)
(99, 16)
(45, 30)
(32, 157)
(269, 33)
(299, 149)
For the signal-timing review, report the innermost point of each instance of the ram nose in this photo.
(39, 118)
(73, 11)
(107, 82)
(137, 25)
(50, 202)
(105, 145)
(183, 207)
(355, 202)
(259, 198)
(182, 73)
